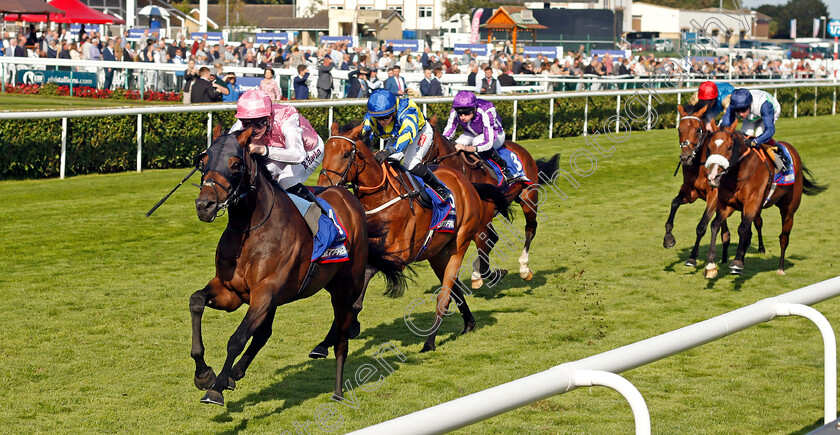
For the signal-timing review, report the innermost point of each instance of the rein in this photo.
(694, 147)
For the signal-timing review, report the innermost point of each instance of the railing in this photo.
(330, 105)
(147, 76)
(603, 369)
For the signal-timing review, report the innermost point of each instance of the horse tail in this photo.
(809, 186)
(391, 266)
(497, 196)
(547, 167)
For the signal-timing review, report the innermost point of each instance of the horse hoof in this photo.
(232, 384)
(355, 330)
(527, 276)
(691, 262)
(319, 352)
(497, 275)
(476, 283)
(761, 250)
(468, 327)
(780, 272)
(711, 271)
(205, 380)
(427, 347)
(669, 241)
(213, 397)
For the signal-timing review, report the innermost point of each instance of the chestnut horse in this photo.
(693, 152)
(443, 152)
(263, 259)
(743, 177)
(348, 161)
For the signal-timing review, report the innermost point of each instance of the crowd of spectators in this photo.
(367, 68)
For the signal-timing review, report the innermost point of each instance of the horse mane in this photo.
(691, 109)
(350, 125)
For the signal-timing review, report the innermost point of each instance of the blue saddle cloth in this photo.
(787, 176)
(443, 212)
(329, 243)
(513, 163)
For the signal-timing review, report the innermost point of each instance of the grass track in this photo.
(95, 328)
(14, 102)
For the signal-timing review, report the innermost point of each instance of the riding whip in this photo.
(677, 169)
(170, 193)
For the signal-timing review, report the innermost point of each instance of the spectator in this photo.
(204, 90)
(269, 85)
(325, 79)
(430, 86)
(488, 85)
(301, 88)
(396, 84)
(505, 79)
(233, 93)
(95, 53)
(109, 55)
(190, 75)
(359, 87)
(472, 77)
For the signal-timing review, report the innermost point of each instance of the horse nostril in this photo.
(204, 204)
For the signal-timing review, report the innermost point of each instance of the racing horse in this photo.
(743, 177)
(263, 259)
(443, 152)
(349, 162)
(693, 152)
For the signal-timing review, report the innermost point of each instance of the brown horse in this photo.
(693, 151)
(348, 161)
(743, 177)
(263, 259)
(444, 153)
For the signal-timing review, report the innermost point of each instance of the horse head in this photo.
(724, 146)
(223, 168)
(692, 134)
(345, 156)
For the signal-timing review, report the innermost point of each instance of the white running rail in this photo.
(602, 369)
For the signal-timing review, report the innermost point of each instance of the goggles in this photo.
(255, 123)
(383, 117)
(464, 110)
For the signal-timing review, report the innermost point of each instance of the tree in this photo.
(804, 11)
(452, 7)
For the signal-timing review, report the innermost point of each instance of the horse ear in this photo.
(732, 127)
(243, 137)
(681, 110)
(356, 132)
(433, 120)
(701, 111)
(334, 129)
(217, 131)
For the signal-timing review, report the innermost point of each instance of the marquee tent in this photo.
(75, 12)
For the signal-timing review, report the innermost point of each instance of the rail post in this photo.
(551, 118)
(139, 142)
(209, 128)
(515, 110)
(585, 115)
(679, 100)
(795, 103)
(815, 100)
(589, 378)
(63, 148)
(330, 118)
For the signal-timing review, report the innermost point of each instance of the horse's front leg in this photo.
(720, 217)
(261, 336)
(744, 238)
(711, 206)
(261, 305)
(446, 268)
(217, 297)
(669, 240)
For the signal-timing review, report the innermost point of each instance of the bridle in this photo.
(235, 191)
(342, 181)
(694, 146)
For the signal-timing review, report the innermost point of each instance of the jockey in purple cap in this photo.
(483, 133)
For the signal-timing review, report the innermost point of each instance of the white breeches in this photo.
(416, 150)
(469, 139)
(287, 175)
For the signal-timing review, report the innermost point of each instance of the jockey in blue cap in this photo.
(759, 111)
(401, 123)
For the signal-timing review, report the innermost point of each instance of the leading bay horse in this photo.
(443, 152)
(743, 177)
(263, 259)
(348, 161)
(694, 139)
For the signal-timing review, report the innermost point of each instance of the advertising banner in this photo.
(61, 78)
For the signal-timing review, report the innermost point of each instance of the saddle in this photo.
(416, 188)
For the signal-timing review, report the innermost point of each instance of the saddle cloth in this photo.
(443, 212)
(513, 163)
(329, 241)
(788, 176)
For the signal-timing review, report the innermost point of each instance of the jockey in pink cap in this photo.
(291, 147)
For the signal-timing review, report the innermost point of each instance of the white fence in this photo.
(603, 369)
(65, 115)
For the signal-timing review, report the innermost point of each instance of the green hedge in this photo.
(31, 149)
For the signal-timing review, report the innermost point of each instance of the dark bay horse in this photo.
(693, 152)
(743, 177)
(348, 161)
(443, 152)
(263, 259)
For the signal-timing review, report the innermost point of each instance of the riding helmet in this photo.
(464, 99)
(382, 102)
(740, 99)
(708, 91)
(254, 104)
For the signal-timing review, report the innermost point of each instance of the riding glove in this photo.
(383, 155)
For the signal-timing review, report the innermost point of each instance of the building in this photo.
(376, 24)
(416, 14)
(672, 23)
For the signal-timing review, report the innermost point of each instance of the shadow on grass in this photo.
(511, 281)
(300, 382)
(754, 263)
(818, 423)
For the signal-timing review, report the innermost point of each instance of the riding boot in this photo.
(493, 155)
(431, 180)
(774, 156)
(301, 191)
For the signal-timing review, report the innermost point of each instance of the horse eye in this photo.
(347, 155)
(235, 166)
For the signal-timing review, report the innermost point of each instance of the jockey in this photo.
(759, 111)
(715, 96)
(291, 147)
(401, 123)
(483, 132)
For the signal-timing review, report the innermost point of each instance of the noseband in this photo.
(694, 146)
(351, 159)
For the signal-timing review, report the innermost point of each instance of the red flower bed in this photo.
(22, 89)
(88, 92)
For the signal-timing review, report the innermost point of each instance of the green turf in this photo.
(95, 326)
(10, 102)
